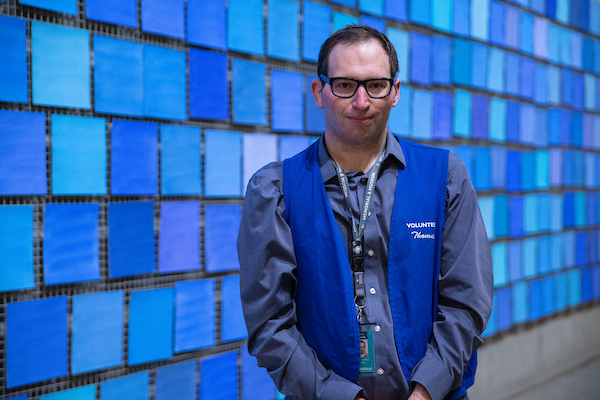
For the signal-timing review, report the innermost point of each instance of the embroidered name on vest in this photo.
(419, 234)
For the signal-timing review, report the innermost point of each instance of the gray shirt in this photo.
(267, 261)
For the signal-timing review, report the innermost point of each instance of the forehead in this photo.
(359, 60)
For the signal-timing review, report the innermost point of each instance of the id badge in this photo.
(367, 349)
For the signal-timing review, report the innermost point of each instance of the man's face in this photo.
(358, 120)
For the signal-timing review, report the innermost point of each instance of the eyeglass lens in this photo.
(376, 88)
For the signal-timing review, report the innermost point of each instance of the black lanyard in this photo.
(358, 229)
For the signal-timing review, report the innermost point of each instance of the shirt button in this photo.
(377, 328)
(373, 290)
(370, 253)
(380, 371)
(363, 181)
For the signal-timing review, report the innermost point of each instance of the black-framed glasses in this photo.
(345, 88)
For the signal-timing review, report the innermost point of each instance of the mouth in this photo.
(360, 120)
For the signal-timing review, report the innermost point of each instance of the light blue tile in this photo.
(223, 162)
(497, 120)
(499, 264)
(97, 324)
(245, 26)
(78, 155)
(574, 279)
(60, 67)
(422, 114)
(16, 247)
(441, 11)
(81, 393)
(486, 206)
(495, 77)
(341, 20)
(520, 303)
(283, 29)
(480, 17)
(400, 40)
(530, 258)
(150, 333)
(462, 113)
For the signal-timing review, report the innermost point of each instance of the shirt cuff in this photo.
(338, 388)
(433, 375)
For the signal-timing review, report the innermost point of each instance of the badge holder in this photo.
(367, 349)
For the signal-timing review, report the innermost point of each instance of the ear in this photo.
(397, 94)
(316, 86)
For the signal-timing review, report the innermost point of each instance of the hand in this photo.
(419, 393)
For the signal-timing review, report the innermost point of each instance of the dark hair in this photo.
(353, 34)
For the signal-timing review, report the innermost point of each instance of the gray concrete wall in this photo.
(531, 355)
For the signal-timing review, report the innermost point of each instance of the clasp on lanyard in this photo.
(360, 298)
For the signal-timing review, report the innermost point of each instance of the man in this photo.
(420, 293)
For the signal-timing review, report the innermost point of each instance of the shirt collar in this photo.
(393, 149)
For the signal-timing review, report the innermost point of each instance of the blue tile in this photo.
(515, 249)
(209, 86)
(118, 12)
(501, 215)
(78, 155)
(164, 18)
(150, 329)
(248, 92)
(165, 83)
(420, 11)
(60, 66)
(71, 252)
(22, 133)
(97, 324)
(442, 116)
(516, 216)
(441, 58)
(181, 161)
(206, 23)
(503, 296)
(245, 26)
(420, 58)
(316, 27)
(479, 65)
(460, 22)
(287, 111)
(461, 62)
(131, 387)
(134, 157)
(283, 30)
(118, 76)
(179, 239)
(16, 247)
(218, 376)
(13, 52)
(36, 340)
(131, 238)
(222, 224)
(513, 174)
(223, 154)
(233, 326)
(194, 326)
(176, 381)
(497, 23)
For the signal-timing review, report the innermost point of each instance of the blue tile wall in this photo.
(129, 131)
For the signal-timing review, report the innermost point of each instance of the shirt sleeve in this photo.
(268, 289)
(465, 288)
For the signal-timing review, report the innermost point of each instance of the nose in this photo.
(361, 98)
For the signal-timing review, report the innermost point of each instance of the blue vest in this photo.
(325, 294)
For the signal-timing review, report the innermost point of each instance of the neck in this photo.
(353, 158)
